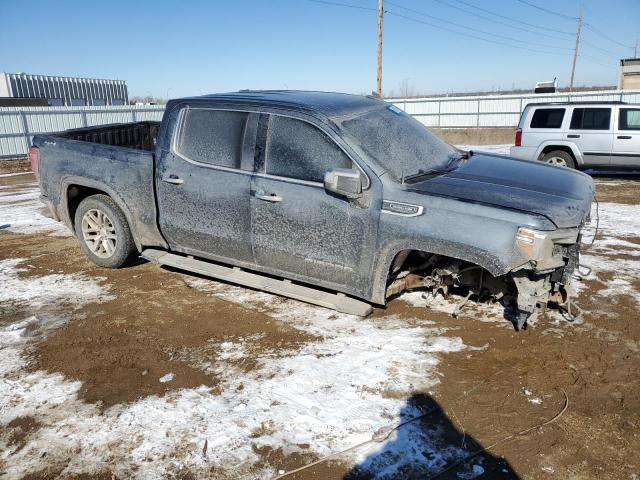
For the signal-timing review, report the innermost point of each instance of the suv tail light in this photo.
(519, 137)
(34, 159)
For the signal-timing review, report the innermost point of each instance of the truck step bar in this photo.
(285, 288)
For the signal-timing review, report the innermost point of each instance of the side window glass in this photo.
(212, 136)
(629, 119)
(547, 118)
(591, 119)
(297, 149)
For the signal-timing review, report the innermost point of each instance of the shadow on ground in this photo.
(431, 447)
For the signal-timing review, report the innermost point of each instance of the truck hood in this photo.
(562, 195)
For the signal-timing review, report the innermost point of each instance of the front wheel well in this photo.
(417, 269)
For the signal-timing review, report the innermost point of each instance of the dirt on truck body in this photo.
(316, 195)
(144, 373)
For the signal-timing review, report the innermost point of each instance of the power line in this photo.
(476, 14)
(451, 30)
(551, 12)
(511, 19)
(483, 32)
(458, 32)
(598, 32)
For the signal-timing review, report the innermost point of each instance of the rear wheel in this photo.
(103, 232)
(559, 158)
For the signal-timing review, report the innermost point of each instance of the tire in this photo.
(99, 217)
(559, 158)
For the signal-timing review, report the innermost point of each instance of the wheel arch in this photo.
(567, 147)
(396, 250)
(76, 189)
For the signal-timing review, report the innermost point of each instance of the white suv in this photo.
(580, 135)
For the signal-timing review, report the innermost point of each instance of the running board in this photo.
(285, 288)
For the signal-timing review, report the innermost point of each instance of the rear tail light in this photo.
(518, 137)
(34, 159)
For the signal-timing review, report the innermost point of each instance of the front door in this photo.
(203, 186)
(626, 139)
(591, 131)
(298, 227)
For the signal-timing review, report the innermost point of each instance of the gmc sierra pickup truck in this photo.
(334, 199)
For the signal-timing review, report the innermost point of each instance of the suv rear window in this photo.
(591, 119)
(629, 119)
(547, 118)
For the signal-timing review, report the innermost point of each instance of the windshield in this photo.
(400, 143)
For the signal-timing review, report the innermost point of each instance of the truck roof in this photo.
(329, 104)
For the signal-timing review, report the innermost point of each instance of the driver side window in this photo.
(297, 149)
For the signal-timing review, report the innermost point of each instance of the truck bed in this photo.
(140, 135)
(117, 160)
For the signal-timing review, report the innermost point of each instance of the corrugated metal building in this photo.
(64, 91)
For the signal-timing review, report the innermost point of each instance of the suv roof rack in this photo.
(596, 102)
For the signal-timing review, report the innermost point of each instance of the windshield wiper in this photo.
(424, 173)
(439, 171)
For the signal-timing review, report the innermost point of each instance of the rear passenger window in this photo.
(591, 119)
(547, 118)
(629, 119)
(297, 149)
(212, 136)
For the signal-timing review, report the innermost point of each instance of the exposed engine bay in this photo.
(524, 292)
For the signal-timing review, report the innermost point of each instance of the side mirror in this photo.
(344, 182)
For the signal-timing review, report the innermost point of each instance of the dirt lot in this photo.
(149, 373)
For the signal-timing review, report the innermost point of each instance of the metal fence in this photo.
(495, 110)
(18, 125)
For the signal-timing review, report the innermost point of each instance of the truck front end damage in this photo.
(550, 258)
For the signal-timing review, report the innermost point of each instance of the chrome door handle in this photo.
(624, 137)
(174, 179)
(268, 198)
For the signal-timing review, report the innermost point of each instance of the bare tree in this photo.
(407, 89)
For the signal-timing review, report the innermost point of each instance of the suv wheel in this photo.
(103, 232)
(559, 158)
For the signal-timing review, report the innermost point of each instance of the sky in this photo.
(179, 48)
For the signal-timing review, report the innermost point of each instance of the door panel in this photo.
(299, 228)
(590, 129)
(208, 215)
(626, 141)
(311, 233)
(203, 194)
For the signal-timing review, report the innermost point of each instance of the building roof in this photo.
(329, 104)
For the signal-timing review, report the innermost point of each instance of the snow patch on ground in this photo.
(324, 398)
(502, 149)
(24, 212)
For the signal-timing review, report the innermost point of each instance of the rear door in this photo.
(297, 226)
(591, 130)
(626, 140)
(203, 184)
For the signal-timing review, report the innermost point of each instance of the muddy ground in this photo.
(109, 353)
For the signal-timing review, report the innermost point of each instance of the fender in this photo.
(577, 154)
(388, 252)
(68, 181)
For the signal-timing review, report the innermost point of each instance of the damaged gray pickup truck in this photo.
(329, 198)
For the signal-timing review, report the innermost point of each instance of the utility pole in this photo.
(575, 52)
(380, 19)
